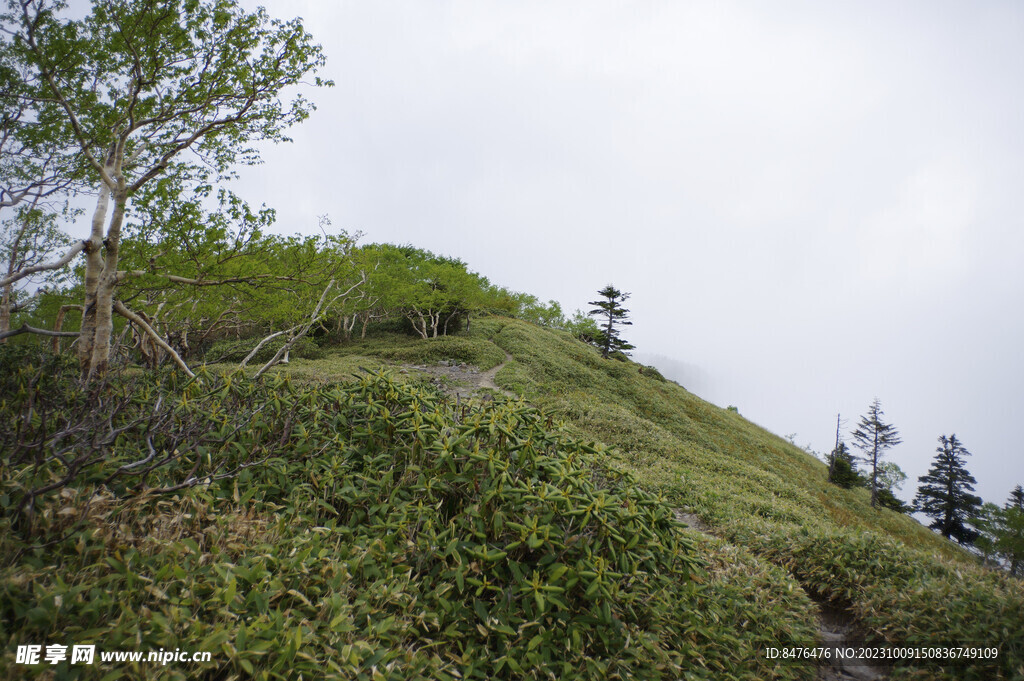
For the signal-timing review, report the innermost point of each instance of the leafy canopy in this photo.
(147, 80)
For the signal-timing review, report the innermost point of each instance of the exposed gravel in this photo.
(462, 380)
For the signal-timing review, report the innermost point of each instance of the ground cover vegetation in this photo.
(364, 529)
(238, 454)
(784, 533)
(903, 581)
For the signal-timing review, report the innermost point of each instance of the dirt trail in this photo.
(487, 377)
(460, 380)
(835, 627)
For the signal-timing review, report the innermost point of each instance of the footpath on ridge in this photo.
(464, 382)
(835, 625)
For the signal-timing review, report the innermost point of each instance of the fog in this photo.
(812, 204)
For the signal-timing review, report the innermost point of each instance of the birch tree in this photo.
(144, 89)
(434, 293)
(26, 239)
(36, 167)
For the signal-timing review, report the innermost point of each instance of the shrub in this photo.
(237, 350)
(844, 474)
(479, 353)
(540, 562)
(375, 528)
(652, 372)
(889, 500)
(904, 597)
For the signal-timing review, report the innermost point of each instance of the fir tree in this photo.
(888, 499)
(614, 314)
(873, 436)
(945, 492)
(1016, 499)
(842, 469)
(1010, 539)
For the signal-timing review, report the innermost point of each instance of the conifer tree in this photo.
(945, 492)
(1010, 538)
(1016, 498)
(842, 470)
(614, 314)
(873, 436)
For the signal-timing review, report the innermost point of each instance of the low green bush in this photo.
(475, 351)
(363, 531)
(772, 498)
(237, 350)
(652, 372)
(903, 597)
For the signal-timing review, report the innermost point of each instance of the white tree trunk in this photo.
(419, 323)
(5, 311)
(93, 270)
(104, 324)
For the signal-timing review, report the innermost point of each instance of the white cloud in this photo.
(799, 194)
(923, 236)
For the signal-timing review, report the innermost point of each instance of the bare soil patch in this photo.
(460, 380)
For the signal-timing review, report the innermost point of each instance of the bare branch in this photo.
(149, 445)
(300, 330)
(151, 332)
(313, 319)
(262, 343)
(25, 328)
(174, 278)
(210, 478)
(29, 271)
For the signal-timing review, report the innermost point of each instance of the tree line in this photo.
(945, 493)
(147, 110)
(145, 107)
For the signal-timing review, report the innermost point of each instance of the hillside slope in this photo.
(764, 498)
(399, 525)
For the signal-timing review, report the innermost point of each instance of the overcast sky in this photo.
(813, 204)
